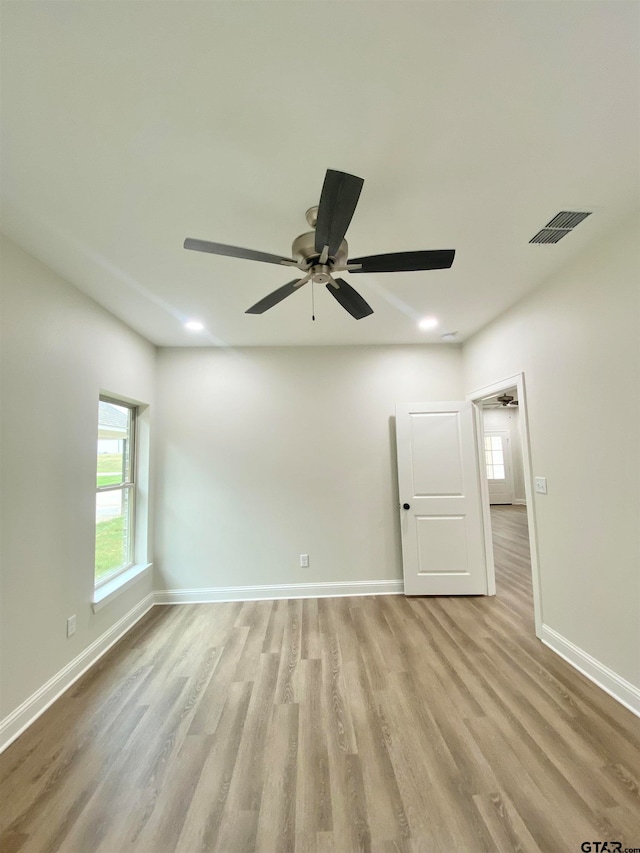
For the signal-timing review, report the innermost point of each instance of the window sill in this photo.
(106, 593)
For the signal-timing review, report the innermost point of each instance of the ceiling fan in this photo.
(322, 252)
(507, 400)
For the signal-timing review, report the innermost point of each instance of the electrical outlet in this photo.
(71, 625)
(541, 485)
(304, 561)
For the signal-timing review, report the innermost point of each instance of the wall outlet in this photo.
(71, 625)
(304, 561)
(541, 485)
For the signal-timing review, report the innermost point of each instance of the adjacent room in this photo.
(320, 457)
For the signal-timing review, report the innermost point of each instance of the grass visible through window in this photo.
(109, 469)
(108, 462)
(109, 545)
(108, 479)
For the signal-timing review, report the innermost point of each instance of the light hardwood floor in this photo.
(327, 726)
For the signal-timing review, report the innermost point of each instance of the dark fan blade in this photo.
(275, 297)
(236, 252)
(350, 299)
(338, 200)
(405, 261)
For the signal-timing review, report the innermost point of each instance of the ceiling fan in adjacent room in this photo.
(507, 400)
(500, 401)
(322, 252)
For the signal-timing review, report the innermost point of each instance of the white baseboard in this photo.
(27, 713)
(519, 502)
(271, 591)
(608, 680)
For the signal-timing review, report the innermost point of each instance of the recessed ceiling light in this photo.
(194, 325)
(428, 323)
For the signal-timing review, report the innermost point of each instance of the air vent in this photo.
(549, 235)
(567, 219)
(561, 224)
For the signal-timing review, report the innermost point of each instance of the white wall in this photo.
(577, 341)
(59, 350)
(267, 453)
(509, 419)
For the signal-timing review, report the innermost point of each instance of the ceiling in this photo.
(128, 126)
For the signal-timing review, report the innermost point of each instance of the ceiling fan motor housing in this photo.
(303, 250)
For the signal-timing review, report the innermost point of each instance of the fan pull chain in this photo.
(313, 302)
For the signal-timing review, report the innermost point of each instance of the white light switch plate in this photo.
(541, 485)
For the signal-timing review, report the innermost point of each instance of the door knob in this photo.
(406, 506)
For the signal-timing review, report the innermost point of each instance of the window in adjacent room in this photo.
(115, 488)
(494, 457)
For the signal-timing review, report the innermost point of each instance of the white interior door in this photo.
(440, 509)
(497, 452)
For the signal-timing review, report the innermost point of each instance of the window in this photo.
(494, 457)
(115, 489)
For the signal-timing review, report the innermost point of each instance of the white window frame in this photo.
(131, 487)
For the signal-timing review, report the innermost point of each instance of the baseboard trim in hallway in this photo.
(267, 592)
(608, 680)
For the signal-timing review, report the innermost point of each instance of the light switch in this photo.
(541, 485)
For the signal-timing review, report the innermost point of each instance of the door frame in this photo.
(475, 397)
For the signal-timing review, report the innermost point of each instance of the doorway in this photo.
(507, 490)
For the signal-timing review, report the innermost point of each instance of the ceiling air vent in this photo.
(561, 224)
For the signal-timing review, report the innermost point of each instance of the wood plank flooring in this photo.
(380, 724)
